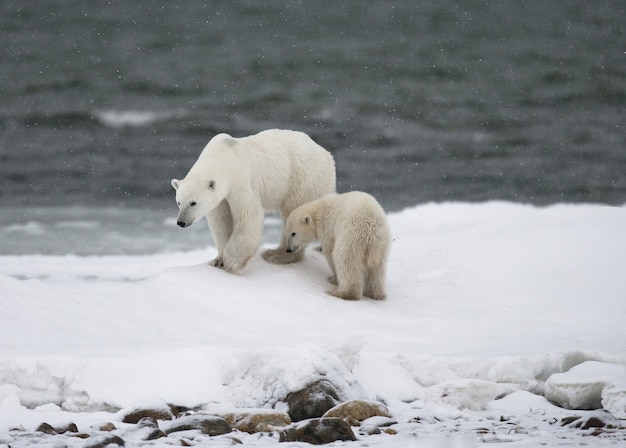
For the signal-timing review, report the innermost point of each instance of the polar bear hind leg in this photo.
(375, 283)
(350, 272)
(375, 267)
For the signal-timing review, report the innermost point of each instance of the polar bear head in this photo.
(299, 230)
(196, 198)
(209, 180)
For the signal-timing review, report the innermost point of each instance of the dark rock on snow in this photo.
(156, 414)
(355, 411)
(318, 431)
(374, 424)
(256, 420)
(598, 419)
(104, 441)
(312, 401)
(108, 427)
(49, 429)
(147, 429)
(207, 424)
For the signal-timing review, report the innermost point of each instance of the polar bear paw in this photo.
(278, 256)
(345, 295)
(217, 262)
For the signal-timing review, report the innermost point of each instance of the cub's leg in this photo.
(375, 283)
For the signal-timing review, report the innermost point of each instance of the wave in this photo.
(30, 228)
(132, 118)
(85, 119)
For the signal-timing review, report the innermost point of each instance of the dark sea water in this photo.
(102, 103)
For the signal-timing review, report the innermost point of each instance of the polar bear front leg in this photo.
(245, 239)
(220, 221)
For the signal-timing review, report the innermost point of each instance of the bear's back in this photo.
(283, 168)
(288, 167)
(359, 212)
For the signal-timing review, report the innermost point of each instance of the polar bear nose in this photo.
(181, 223)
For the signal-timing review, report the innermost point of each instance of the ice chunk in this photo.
(590, 385)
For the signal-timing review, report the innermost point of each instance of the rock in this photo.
(358, 410)
(373, 425)
(155, 413)
(369, 430)
(599, 419)
(48, 429)
(105, 441)
(207, 424)
(108, 427)
(147, 429)
(318, 431)
(380, 421)
(572, 420)
(177, 410)
(256, 420)
(312, 401)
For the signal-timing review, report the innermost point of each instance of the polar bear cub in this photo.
(235, 181)
(353, 231)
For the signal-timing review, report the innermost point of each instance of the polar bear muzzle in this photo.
(291, 247)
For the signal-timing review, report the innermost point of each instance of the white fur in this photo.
(355, 237)
(235, 181)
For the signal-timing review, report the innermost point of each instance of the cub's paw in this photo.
(345, 295)
(217, 262)
(376, 295)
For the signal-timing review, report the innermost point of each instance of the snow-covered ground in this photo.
(491, 307)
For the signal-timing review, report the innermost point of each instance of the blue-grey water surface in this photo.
(102, 103)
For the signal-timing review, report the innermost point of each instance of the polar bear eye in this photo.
(293, 233)
(192, 203)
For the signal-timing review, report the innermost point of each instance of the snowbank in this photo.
(487, 304)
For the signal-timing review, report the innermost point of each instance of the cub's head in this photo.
(299, 231)
(196, 198)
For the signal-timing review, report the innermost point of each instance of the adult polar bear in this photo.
(235, 181)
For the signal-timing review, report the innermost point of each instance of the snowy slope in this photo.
(485, 301)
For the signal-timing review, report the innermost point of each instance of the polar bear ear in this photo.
(210, 184)
(175, 183)
(305, 219)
